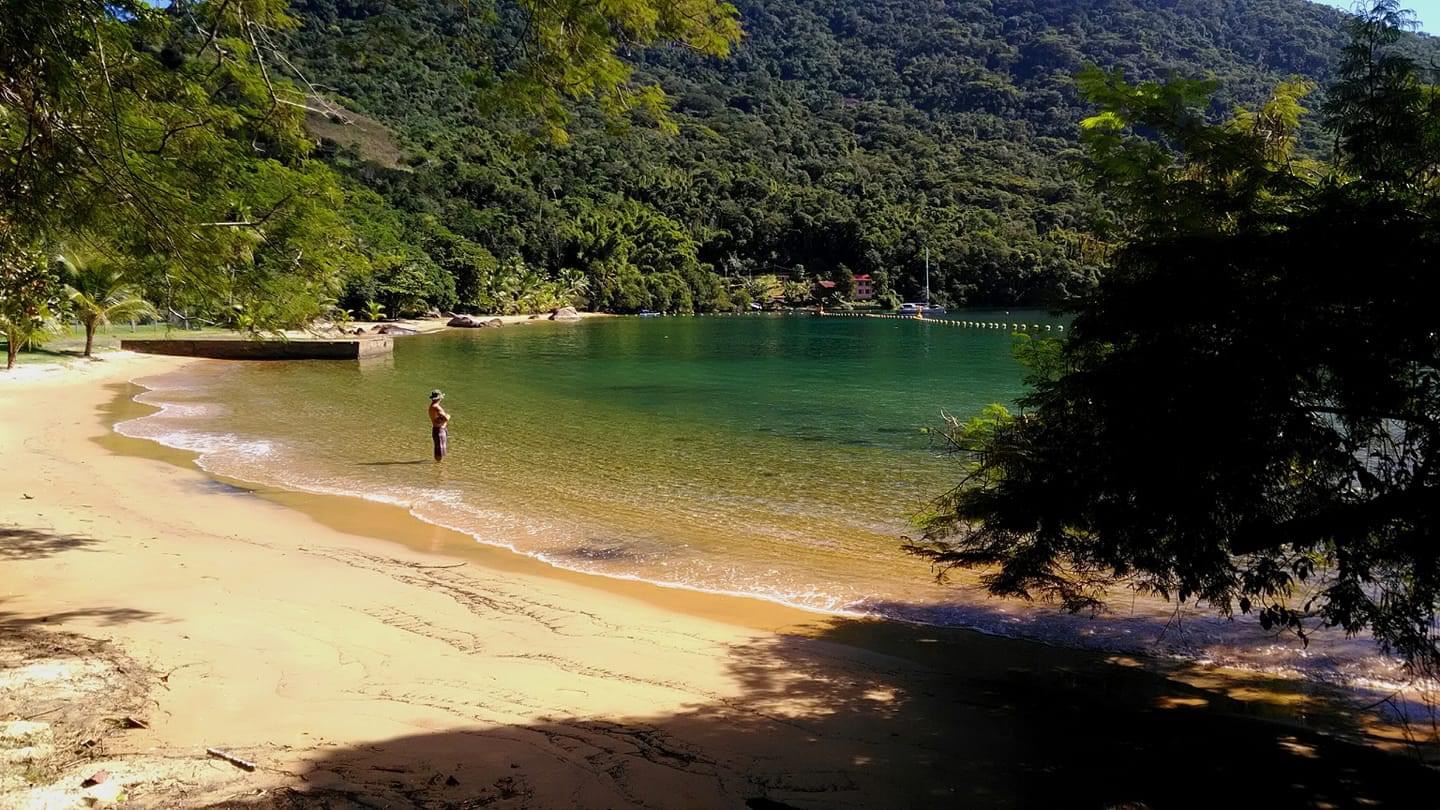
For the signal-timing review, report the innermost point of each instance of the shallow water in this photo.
(771, 456)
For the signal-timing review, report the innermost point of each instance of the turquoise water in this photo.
(780, 457)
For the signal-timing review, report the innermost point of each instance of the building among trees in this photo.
(864, 288)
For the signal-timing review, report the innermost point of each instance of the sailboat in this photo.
(927, 308)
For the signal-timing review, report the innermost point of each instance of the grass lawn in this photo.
(70, 344)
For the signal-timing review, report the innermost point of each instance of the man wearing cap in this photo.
(438, 420)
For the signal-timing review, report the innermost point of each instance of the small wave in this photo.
(196, 441)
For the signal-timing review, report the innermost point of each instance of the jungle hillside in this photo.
(837, 138)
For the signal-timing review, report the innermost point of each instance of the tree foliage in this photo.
(836, 133)
(30, 295)
(175, 135)
(1247, 410)
(115, 119)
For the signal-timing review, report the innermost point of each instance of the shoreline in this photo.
(320, 503)
(346, 663)
(391, 523)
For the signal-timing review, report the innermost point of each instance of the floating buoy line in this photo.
(955, 322)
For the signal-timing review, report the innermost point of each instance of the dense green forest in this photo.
(500, 157)
(159, 155)
(839, 136)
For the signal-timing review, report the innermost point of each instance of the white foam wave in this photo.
(202, 442)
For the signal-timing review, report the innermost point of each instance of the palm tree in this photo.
(22, 332)
(573, 285)
(29, 296)
(100, 293)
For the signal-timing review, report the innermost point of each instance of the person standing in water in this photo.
(438, 420)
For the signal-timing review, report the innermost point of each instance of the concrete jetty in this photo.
(252, 349)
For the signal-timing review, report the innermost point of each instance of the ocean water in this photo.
(777, 457)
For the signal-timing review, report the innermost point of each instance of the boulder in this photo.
(534, 317)
(391, 329)
(434, 314)
(564, 314)
(474, 322)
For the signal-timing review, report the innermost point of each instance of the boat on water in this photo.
(926, 309)
(922, 309)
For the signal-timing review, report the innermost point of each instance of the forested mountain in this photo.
(840, 135)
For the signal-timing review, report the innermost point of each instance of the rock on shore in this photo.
(474, 322)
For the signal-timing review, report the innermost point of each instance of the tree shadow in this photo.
(33, 544)
(10, 622)
(57, 353)
(869, 714)
(1186, 632)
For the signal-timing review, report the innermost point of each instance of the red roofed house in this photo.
(864, 288)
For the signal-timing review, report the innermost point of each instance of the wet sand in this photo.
(352, 651)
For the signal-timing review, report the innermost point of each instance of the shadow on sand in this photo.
(14, 622)
(32, 544)
(910, 718)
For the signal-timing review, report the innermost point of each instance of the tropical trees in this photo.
(1247, 410)
(516, 288)
(844, 279)
(763, 288)
(127, 123)
(635, 257)
(100, 292)
(174, 133)
(30, 295)
(797, 293)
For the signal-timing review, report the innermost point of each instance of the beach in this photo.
(357, 656)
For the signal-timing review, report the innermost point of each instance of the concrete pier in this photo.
(248, 349)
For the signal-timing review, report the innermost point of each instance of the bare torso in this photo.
(438, 416)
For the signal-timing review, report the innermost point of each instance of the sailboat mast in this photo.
(927, 275)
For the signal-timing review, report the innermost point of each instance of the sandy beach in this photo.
(358, 657)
